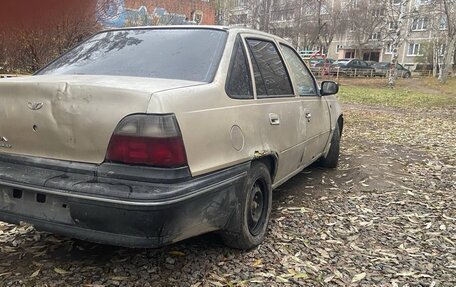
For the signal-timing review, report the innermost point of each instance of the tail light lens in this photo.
(153, 140)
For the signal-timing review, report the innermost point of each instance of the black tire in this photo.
(407, 75)
(332, 158)
(243, 232)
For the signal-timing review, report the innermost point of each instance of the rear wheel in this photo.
(332, 158)
(407, 75)
(249, 226)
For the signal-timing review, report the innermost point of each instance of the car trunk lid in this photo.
(71, 117)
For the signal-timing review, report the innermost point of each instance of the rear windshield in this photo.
(184, 54)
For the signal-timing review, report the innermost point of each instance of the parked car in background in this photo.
(351, 67)
(382, 69)
(321, 66)
(142, 137)
(370, 63)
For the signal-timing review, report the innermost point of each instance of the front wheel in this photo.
(248, 227)
(332, 158)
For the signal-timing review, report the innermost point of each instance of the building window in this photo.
(414, 49)
(419, 24)
(443, 23)
(389, 48)
(423, 2)
(391, 26)
(375, 36)
(338, 47)
(239, 3)
(324, 9)
(349, 55)
(378, 12)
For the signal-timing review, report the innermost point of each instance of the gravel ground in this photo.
(385, 217)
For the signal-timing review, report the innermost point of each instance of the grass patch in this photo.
(433, 96)
(433, 83)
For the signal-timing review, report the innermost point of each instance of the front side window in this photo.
(239, 83)
(304, 80)
(271, 77)
(184, 54)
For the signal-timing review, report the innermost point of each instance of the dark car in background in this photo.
(321, 66)
(351, 68)
(382, 69)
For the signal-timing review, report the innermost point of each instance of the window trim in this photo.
(270, 40)
(317, 89)
(240, 41)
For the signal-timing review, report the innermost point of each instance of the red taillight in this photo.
(148, 139)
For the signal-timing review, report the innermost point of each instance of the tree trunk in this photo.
(435, 59)
(447, 59)
(396, 44)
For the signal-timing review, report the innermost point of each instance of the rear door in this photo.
(281, 113)
(317, 117)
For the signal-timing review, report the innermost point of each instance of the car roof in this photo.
(231, 29)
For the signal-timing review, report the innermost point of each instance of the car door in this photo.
(364, 68)
(317, 117)
(279, 110)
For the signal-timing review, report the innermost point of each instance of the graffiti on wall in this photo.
(114, 14)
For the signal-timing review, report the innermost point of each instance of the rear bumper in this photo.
(98, 207)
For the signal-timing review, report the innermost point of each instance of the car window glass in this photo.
(184, 54)
(271, 76)
(304, 80)
(239, 83)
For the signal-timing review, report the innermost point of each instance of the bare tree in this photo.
(397, 14)
(223, 10)
(330, 21)
(448, 8)
(367, 20)
(29, 46)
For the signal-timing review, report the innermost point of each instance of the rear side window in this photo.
(271, 76)
(303, 78)
(239, 83)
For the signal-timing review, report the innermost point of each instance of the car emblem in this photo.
(35, 106)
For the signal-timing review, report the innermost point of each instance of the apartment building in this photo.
(293, 20)
(422, 28)
(296, 21)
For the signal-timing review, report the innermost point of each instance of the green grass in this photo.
(403, 97)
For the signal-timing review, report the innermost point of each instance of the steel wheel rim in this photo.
(257, 208)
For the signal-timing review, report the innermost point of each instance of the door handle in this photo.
(274, 119)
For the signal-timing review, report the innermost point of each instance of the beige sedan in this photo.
(142, 137)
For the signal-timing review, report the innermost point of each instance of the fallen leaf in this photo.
(34, 274)
(176, 253)
(358, 277)
(60, 271)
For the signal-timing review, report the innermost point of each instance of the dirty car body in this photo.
(142, 137)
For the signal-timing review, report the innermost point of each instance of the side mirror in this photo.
(329, 88)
